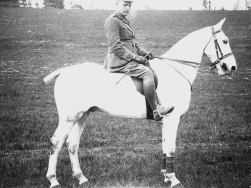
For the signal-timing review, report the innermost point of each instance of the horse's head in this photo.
(219, 51)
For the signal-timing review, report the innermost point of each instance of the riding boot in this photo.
(161, 111)
(150, 94)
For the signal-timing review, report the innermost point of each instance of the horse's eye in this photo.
(225, 41)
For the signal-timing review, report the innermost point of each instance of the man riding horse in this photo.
(125, 56)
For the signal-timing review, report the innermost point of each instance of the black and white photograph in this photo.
(125, 94)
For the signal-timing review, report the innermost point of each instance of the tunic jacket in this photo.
(121, 39)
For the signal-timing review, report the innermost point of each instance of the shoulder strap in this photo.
(128, 26)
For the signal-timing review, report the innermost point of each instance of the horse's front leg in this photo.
(73, 146)
(169, 133)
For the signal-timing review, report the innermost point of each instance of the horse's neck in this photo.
(189, 49)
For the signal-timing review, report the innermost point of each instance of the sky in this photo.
(163, 4)
(186, 4)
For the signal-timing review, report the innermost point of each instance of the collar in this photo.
(121, 17)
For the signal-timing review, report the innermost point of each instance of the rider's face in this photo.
(124, 8)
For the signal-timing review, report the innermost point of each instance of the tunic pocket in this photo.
(126, 34)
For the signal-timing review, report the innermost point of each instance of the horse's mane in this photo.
(190, 48)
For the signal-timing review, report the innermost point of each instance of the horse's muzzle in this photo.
(228, 70)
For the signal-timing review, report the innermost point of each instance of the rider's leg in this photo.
(149, 87)
(155, 77)
(156, 84)
(151, 95)
(145, 73)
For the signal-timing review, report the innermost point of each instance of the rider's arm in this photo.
(140, 50)
(112, 27)
(143, 52)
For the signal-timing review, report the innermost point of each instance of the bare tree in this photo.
(205, 4)
(247, 4)
(237, 5)
(147, 8)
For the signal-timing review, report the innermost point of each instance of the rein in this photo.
(195, 64)
(188, 63)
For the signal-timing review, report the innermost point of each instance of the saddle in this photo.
(139, 86)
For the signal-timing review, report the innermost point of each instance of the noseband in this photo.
(218, 49)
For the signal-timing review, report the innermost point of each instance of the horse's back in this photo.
(90, 84)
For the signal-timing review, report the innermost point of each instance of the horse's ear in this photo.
(219, 25)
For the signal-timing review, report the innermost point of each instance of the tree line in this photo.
(48, 3)
(237, 5)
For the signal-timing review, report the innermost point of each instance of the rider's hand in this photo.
(150, 56)
(141, 60)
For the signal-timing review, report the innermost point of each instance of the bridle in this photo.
(218, 50)
(195, 64)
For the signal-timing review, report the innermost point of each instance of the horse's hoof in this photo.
(57, 186)
(85, 185)
(178, 186)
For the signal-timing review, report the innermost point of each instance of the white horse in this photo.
(87, 87)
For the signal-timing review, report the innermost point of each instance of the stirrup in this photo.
(159, 115)
(165, 110)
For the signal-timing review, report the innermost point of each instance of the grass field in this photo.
(214, 137)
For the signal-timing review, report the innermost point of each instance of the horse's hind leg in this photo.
(58, 139)
(73, 146)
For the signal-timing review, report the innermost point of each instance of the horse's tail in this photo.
(54, 74)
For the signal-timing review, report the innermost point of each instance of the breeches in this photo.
(148, 76)
(143, 72)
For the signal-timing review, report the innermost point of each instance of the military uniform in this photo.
(122, 46)
(123, 52)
